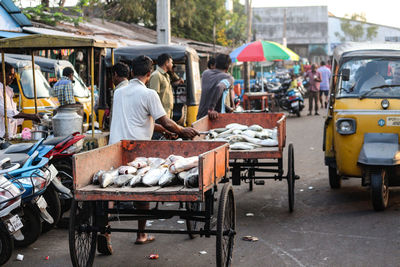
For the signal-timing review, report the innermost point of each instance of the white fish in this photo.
(241, 146)
(136, 179)
(256, 128)
(122, 180)
(249, 133)
(237, 126)
(192, 178)
(127, 170)
(107, 178)
(155, 162)
(141, 172)
(97, 176)
(264, 134)
(167, 178)
(184, 164)
(219, 130)
(172, 159)
(152, 177)
(236, 131)
(139, 162)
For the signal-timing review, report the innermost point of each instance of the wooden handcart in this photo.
(247, 165)
(91, 213)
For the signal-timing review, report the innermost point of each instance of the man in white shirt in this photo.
(135, 110)
(14, 117)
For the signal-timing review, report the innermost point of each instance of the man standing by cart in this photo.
(160, 81)
(14, 117)
(216, 86)
(135, 110)
(314, 78)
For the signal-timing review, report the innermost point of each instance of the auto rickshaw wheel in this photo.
(379, 190)
(335, 181)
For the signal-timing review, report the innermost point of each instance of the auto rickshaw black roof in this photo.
(128, 53)
(352, 49)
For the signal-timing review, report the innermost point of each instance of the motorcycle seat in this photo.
(15, 158)
(19, 148)
(55, 141)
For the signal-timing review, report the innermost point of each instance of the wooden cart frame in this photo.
(245, 165)
(90, 211)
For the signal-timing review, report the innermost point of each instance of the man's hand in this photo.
(212, 114)
(170, 135)
(189, 132)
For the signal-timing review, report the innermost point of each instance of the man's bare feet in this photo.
(144, 239)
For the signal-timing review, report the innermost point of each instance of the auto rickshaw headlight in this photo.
(346, 126)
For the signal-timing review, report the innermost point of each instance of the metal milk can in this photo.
(67, 121)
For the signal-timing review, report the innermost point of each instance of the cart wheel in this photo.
(291, 177)
(250, 184)
(226, 223)
(193, 225)
(379, 190)
(82, 238)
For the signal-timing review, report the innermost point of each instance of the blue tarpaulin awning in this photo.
(11, 34)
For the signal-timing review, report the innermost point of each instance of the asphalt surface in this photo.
(327, 228)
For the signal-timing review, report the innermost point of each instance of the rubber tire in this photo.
(32, 226)
(193, 225)
(6, 246)
(335, 181)
(379, 190)
(298, 113)
(53, 207)
(291, 177)
(226, 204)
(87, 209)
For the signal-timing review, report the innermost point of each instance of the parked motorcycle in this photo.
(10, 223)
(290, 100)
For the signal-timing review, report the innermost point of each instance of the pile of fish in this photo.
(152, 172)
(242, 137)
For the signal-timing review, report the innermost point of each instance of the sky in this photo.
(385, 12)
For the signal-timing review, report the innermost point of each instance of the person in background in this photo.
(294, 83)
(64, 91)
(14, 117)
(296, 68)
(216, 85)
(175, 79)
(314, 79)
(324, 85)
(120, 74)
(161, 82)
(211, 63)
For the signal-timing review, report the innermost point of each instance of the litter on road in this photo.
(250, 238)
(249, 214)
(153, 256)
(20, 257)
(203, 252)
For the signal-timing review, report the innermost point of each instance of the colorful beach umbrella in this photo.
(262, 51)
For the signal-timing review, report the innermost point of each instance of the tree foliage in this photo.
(354, 29)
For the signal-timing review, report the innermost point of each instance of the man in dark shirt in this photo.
(216, 84)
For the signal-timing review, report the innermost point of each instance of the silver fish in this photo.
(167, 179)
(141, 172)
(127, 170)
(219, 130)
(172, 158)
(137, 179)
(122, 180)
(97, 176)
(152, 177)
(182, 175)
(108, 178)
(249, 133)
(155, 162)
(192, 179)
(139, 162)
(241, 146)
(184, 164)
(236, 126)
(256, 128)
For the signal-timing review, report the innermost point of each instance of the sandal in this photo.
(149, 239)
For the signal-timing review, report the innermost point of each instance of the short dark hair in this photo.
(141, 66)
(68, 71)
(323, 63)
(8, 68)
(223, 62)
(163, 58)
(211, 62)
(121, 69)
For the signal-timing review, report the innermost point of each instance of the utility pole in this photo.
(163, 22)
(284, 41)
(249, 35)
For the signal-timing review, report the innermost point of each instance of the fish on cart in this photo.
(127, 170)
(122, 180)
(107, 178)
(152, 177)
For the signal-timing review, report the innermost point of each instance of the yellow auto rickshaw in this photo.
(361, 132)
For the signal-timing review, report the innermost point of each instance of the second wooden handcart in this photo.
(256, 165)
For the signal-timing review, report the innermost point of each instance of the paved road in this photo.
(327, 228)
